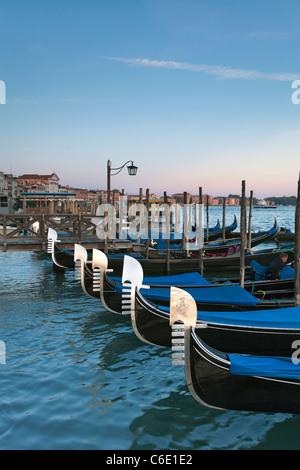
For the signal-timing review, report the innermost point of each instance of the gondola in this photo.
(220, 247)
(269, 331)
(207, 296)
(64, 259)
(218, 232)
(254, 281)
(241, 331)
(227, 381)
(173, 266)
(179, 265)
(231, 245)
(162, 266)
(213, 234)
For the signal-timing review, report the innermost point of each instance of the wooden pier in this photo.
(28, 232)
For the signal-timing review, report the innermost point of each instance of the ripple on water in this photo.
(76, 376)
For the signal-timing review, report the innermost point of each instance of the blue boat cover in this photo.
(176, 280)
(187, 279)
(260, 271)
(262, 366)
(162, 245)
(159, 235)
(287, 273)
(233, 295)
(121, 255)
(274, 318)
(283, 318)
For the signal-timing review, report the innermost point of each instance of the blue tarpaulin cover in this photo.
(287, 273)
(284, 318)
(274, 318)
(279, 367)
(121, 255)
(260, 271)
(176, 280)
(235, 295)
(228, 294)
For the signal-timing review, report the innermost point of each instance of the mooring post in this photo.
(224, 221)
(141, 215)
(167, 224)
(43, 229)
(250, 220)
(185, 225)
(200, 231)
(243, 232)
(4, 233)
(207, 218)
(147, 223)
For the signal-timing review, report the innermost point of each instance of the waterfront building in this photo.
(9, 193)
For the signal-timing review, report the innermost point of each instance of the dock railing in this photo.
(29, 231)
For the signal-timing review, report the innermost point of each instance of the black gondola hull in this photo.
(153, 326)
(212, 384)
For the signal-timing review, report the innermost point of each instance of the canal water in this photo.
(75, 376)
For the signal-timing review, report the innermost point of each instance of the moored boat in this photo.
(218, 379)
(247, 331)
(233, 244)
(162, 265)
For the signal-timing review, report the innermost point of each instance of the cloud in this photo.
(220, 71)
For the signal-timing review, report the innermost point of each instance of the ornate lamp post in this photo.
(132, 170)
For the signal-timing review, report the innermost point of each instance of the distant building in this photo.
(9, 193)
(230, 201)
(42, 194)
(39, 183)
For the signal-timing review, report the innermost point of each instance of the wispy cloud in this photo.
(219, 71)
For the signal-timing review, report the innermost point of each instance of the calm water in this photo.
(76, 377)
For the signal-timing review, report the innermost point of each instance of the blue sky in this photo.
(195, 92)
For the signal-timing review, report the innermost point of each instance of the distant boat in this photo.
(264, 205)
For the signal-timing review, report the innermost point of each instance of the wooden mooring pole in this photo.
(147, 222)
(200, 231)
(250, 220)
(243, 235)
(141, 215)
(224, 218)
(207, 218)
(185, 225)
(167, 224)
(297, 247)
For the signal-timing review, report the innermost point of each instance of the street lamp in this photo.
(132, 170)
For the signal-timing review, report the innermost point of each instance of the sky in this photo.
(198, 93)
